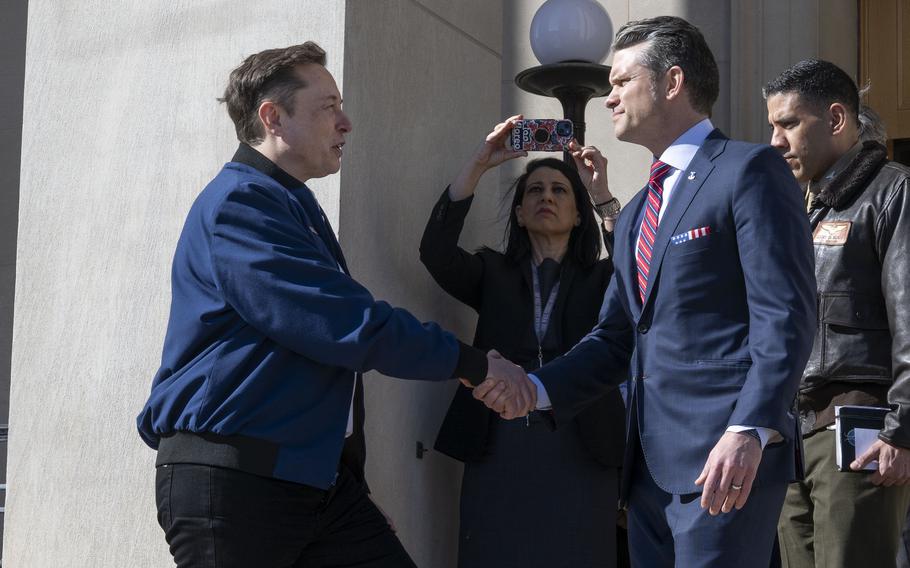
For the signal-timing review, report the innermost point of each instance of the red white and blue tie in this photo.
(649, 223)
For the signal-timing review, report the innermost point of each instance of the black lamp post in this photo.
(569, 38)
(573, 83)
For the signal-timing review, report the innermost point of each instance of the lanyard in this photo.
(542, 316)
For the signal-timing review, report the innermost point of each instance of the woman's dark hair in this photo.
(585, 239)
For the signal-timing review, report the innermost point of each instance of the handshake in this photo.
(507, 389)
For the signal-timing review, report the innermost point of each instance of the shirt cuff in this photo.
(765, 435)
(471, 365)
(543, 399)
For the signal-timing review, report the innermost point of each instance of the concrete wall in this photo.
(12, 76)
(768, 36)
(422, 89)
(121, 132)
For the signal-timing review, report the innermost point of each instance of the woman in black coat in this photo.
(531, 495)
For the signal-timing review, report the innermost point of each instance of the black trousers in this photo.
(216, 517)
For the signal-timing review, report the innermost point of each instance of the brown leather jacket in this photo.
(861, 227)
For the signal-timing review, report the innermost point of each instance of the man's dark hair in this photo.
(674, 41)
(267, 75)
(585, 238)
(817, 83)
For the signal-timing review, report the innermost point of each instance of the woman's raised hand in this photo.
(494, 151)
(592, 168)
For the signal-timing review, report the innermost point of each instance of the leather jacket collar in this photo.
(854, 178)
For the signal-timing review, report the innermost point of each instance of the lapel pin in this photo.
(691, 176)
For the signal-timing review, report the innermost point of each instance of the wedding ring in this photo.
(735, 487)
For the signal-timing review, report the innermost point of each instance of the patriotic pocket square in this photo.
(690, 235)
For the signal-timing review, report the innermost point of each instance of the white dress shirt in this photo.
(678, 156)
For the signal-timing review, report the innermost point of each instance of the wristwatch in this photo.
(609, 208)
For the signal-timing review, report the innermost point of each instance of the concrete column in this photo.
(769, 36)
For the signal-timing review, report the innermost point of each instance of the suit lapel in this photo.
(566, 275)
(526, 265)
(687, 186)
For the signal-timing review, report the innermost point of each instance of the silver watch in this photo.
(609, 208)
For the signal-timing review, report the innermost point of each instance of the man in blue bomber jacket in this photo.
(257, 409)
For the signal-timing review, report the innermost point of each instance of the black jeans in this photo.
(216, 517)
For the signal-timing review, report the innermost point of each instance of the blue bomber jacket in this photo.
(267, 333)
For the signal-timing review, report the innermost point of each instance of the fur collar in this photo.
(854, 178)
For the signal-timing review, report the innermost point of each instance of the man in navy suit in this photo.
(710, 316)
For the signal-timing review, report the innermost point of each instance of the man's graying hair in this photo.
(674, 41)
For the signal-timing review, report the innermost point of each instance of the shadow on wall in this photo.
(713, 19)
(12, 70)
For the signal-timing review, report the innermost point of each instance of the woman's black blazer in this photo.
(500, 290)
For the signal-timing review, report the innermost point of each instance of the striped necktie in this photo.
(649, 223)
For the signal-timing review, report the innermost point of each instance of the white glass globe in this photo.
(571, 30)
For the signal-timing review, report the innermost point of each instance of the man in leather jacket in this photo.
(859, 206)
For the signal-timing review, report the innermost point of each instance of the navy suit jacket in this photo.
(727, 322)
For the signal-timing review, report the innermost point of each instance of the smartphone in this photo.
(542, 135)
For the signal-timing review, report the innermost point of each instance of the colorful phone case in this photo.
(542, 135)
